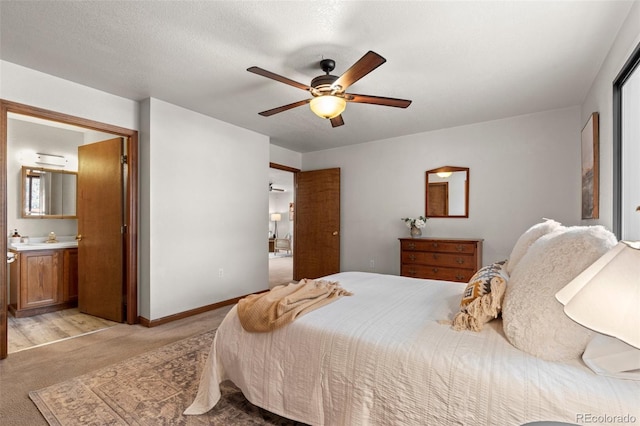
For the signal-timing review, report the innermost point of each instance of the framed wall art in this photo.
(590, 172)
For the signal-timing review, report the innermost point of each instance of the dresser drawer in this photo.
(436, 273)
(439, 259)
(447, 259)
(468, 247)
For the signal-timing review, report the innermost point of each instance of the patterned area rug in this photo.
(149, 389)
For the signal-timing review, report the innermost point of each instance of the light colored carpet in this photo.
(152, 388)
(280, 269)
(47, 365)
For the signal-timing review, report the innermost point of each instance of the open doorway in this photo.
(42, 199)
(281, 220)
(128, 231)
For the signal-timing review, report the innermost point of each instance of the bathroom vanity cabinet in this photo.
(43, 281)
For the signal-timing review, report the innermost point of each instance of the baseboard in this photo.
(181, 315)
(29, 312)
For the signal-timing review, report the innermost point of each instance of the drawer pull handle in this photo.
(435, 270)
(460, 261)
(412, 272)
(435, 256)
(434, 245)
(412, 257)
(412, 245)
(460, 277)
(460, 247)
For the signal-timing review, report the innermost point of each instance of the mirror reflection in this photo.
(48, 193)
(447, 192)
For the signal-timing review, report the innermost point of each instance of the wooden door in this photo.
(316, 251)
(100, 221)
(438, 202)
(40, 278)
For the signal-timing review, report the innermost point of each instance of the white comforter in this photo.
(380, 357)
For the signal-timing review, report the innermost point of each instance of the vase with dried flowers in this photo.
(415, 224)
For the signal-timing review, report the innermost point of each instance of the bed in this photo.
(383, 357)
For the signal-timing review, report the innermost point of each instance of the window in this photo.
(626, 150)
(32, 193)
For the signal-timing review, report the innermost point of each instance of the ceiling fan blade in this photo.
(282, 108)
(276, 77)
(369, 62)
(337, 121)
(377, 100)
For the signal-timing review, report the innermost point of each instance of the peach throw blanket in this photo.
(284, 303)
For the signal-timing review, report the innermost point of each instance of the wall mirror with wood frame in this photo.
(48, 193)
(447, 192)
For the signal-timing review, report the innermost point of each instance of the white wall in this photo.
(183, 240)
(205, 205)
(30, 87)
(144, 200)
(600, 99)
(521, 170)
(285, 157)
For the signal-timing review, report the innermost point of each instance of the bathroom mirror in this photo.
(48, 193)
(447, 192)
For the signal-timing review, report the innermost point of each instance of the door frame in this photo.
(131, 208)
(295, 184)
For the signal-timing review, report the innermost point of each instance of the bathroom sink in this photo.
(58, 244)
(44, 245)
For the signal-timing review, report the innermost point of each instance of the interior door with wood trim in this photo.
(100, 232)
(438, 203)
(317, 224)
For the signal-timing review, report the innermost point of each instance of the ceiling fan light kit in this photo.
(327, 106)
(329, 98)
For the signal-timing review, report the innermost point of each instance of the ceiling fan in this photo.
(329, 98)
(272, 188)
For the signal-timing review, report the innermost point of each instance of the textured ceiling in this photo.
(460, 62)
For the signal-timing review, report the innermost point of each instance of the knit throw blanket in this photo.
(284, 303)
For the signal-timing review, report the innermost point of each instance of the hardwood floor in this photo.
(38, 330)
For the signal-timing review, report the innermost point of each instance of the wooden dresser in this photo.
(449, 259)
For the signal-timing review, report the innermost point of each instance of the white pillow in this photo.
(533, 320)
(529, 237)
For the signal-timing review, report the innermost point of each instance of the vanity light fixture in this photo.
(327, 106)
(50, 159)
(444, 175)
